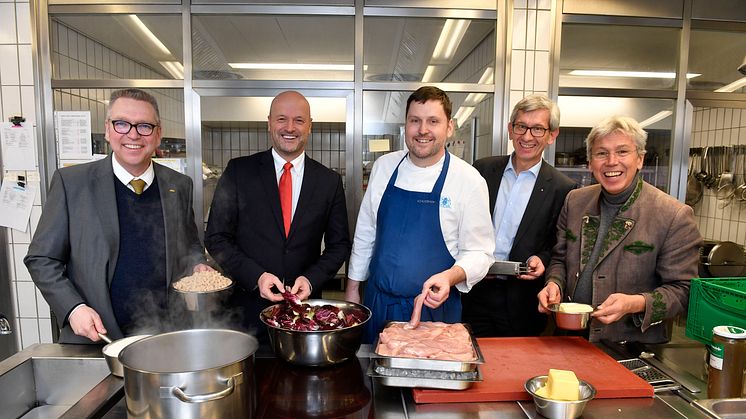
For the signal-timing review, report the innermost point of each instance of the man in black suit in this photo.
(264, 244)
(526, 196)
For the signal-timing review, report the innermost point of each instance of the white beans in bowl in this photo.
(202, 282)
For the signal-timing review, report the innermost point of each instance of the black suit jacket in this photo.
(536, 235)
(245, 232)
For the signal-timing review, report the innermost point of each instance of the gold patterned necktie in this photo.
(138, 185)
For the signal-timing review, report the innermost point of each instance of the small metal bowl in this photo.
(317, 347)
(111, 353)
(201, 300)
(559, 409)
(569, 321)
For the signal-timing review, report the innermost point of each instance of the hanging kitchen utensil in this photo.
(740, 192)
(726, 259)
(725, 188)
(702, 174)
(693, 185)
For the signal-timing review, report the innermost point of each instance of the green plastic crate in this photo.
(715, 302)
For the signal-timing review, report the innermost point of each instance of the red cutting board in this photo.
(509, 362)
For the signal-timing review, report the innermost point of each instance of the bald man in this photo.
(272, 210)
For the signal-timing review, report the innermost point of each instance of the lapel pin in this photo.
(172, 190)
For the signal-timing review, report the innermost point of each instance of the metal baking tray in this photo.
(394, 377)
(430, 364)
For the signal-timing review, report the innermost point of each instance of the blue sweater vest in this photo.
(138, 289)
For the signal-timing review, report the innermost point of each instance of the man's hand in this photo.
(617, 305)
(550, 294)
(352, 291)
(201, 267)
(535, 269)
(438, 287)
(265, 283)
(86, 322)
(301, 288)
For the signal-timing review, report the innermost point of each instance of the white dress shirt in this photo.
(464, 214)
(296, 172)
(125, 177)
(511, 202)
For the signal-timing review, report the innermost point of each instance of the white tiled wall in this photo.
(17, 98)
(720, 127)
(530, 63)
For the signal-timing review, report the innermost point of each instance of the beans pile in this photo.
(202, 282)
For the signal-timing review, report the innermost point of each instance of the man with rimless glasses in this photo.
(623, 246)
(526, 195)
(116, 232)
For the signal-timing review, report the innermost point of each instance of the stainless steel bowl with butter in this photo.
(559, 409)
(571, 316)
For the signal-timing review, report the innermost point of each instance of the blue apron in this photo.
(409, 249)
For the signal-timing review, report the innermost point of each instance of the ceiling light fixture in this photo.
(450, 38)
(463, 114)
(638, 74)
(175, 68)
(733, 86)
(148, 34)
(292, 66)
(428, 76)
(487, 78)
(655, 118)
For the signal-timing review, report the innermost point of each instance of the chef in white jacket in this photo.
(424, 226)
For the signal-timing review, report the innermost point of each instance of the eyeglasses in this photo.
(521, 129)
(604, 155)
(124, 127)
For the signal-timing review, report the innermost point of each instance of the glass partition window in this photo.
(383, 125)
(580, 114)
(429, 50)
(717, 55)
(265, 47)
(622, 57)
(125, 46)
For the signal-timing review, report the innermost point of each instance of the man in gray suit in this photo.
(116, 232)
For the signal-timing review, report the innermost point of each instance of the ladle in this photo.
(693, 184)
(740, 192)
(725, 188)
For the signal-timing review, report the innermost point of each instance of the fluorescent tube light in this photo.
(487, 78)
(733, 86)
(463, 114)
(175, 68)
(449, 39)
(292, 66)
(148, 34)
(655, 118)
(639, 74)
(428, 76)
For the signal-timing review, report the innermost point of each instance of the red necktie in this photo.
(286, 196)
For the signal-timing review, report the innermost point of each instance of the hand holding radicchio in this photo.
(293, 315)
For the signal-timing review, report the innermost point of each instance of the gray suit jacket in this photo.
(74, 251)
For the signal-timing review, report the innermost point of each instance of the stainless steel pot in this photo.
(319, 347)
(190, 374)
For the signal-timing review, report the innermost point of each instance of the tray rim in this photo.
(440, 364)
(409, 382)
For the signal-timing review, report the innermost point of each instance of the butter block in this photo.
(562, 385)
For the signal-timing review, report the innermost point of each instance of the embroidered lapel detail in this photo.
(659, 307)
(639, 247)
(588, 235)
(618, 230)
(636, 194)
(570, 236)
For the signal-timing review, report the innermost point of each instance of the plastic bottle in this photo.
(727, 362)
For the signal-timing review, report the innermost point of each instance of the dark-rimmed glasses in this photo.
(604, 155)
(537, 131)
(124, 127)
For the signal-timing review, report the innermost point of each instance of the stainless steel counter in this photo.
(106, 398)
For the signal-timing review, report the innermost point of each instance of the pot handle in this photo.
(179, 393)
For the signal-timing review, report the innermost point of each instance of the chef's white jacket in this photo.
(465, 218)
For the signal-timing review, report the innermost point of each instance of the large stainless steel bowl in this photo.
(319, 347)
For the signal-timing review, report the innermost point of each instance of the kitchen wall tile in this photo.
(45, 331)
(531, 29)
(519, 29)
(29, 332)
(7, 23)
(41, 306)
(25, 65)
(517, 71)
(23, 20)
(520, 4)
(543, 26)
(9, 65)
(529, 70)
(19, 252)
(20, 237)
(11, 100)
(720, 119)
(26, 294)
(718, 232)
(544, 4)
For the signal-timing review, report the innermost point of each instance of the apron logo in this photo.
(445, 202)
(425, 201)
